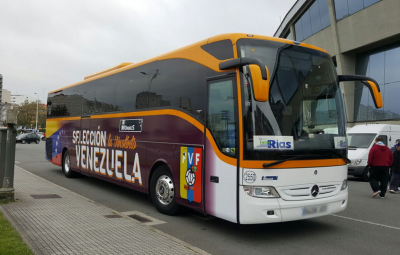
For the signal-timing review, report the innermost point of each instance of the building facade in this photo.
(5, 96)
(363, 37)
(21, 99)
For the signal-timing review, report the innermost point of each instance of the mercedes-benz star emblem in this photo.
(315, 172)
(314, 191)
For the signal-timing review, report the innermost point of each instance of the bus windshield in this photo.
(304, 114)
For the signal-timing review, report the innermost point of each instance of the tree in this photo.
(27, 115)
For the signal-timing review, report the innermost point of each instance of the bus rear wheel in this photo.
(162, 191)
(66, 166)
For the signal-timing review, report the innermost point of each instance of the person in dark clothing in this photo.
(380, 158)
(393, 149)
(395, 182)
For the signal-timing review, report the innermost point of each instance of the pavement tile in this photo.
(73, 224)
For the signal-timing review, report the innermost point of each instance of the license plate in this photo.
(310, 210)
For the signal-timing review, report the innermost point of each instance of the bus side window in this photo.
(177, 83)
(221, 119)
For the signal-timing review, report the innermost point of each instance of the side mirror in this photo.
(260, 86)
(371, 84)
(259, 75)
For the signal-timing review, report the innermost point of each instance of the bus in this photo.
(247, 128)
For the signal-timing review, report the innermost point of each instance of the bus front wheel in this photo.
(162, 191)
(66, 166)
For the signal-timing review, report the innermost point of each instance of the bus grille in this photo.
(303, 192)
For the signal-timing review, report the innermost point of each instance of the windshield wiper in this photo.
(265, 165)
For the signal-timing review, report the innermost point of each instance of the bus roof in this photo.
(232, 36)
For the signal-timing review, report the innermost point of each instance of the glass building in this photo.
(363, 37)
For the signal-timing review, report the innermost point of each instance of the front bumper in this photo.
(355, 170)
(258, 210)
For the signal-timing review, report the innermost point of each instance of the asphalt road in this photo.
(367, 226)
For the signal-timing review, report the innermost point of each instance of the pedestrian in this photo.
(395, 182)
(393, 149)
(380, 158)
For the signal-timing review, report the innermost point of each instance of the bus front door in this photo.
(221, 167)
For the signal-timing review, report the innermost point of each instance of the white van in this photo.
(360, 139)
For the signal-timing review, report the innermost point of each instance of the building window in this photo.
(383, 67)
(313, 20)
(344, 8)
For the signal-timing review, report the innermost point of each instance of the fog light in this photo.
(265, 192)
(344, 185)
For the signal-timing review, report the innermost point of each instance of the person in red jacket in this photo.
(380, 158)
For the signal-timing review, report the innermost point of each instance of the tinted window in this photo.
(376, 67)
(176, 83)
(370, 2)
(306, 23)
(344, 8)
(220, 50)
(58, 104)
(392, 65)
(299, 31)
(221, 119)
(133, 88)
(315, 17)
(87, 91)
(313, 20)
(381, 66)
(105, 95)
(355, 6)
(324, 13)
(341, 9)
(391, 99)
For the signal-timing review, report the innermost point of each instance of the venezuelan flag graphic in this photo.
(190, 173)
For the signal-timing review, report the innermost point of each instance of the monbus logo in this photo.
(273, 142)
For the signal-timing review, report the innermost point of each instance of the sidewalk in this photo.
(72, 224)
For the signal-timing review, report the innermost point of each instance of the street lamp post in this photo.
(37, 110)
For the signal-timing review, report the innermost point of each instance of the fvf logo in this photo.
(190, 173)
(190, 157)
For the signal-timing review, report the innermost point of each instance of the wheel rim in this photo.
(165, 190)
(66, 163)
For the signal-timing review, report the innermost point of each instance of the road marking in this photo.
(368, 222)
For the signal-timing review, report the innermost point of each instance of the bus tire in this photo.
(66, 165)
(365, 175)
(162, 191)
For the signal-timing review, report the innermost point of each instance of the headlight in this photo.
(344, 185)
(357, 162)
(264, 192)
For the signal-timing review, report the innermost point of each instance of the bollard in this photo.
(7, 157)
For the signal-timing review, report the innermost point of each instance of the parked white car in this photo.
(361, 138)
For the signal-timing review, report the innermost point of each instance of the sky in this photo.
(48, 44)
